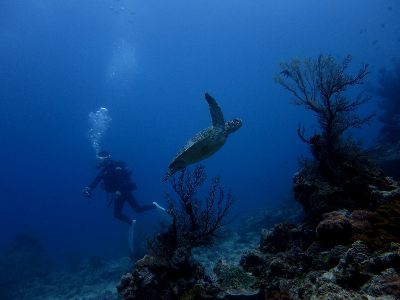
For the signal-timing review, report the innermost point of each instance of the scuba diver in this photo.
(116, 181)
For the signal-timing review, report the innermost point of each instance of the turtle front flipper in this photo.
(216, 113)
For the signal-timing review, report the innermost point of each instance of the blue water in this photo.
(150, 63)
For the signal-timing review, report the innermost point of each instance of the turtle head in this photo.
(232, 125)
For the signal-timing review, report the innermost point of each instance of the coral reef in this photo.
(169, 270)
(289, 262)
(375, 227)
(341, 172)
(339, 226)
(357, 190)
(153, 278)
(233, 277)
(320, 85)
(311, 270)
(347, 246)
(344, 253)
(388, 282)
(194, 222)
(384, 226)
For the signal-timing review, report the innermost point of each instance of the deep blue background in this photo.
(150, 62)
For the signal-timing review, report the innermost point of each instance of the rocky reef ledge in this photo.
(346, 254)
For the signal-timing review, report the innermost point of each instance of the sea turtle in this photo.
(207, 141)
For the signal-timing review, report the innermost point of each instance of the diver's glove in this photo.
(87, 192)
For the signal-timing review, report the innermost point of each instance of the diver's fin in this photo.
(131, 233)
(158, 206)
(164, 217)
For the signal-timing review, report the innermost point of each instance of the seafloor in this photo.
(274, 252)
(97, 278)
(350, 251)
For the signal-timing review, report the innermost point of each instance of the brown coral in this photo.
(341, 226)
(385, 226)
(334, 227)
(376, 228)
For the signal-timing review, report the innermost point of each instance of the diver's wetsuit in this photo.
(117, 182)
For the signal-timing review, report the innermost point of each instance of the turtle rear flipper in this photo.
(216, 113)
(174, 167)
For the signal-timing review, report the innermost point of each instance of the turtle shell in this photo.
(201, 146)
